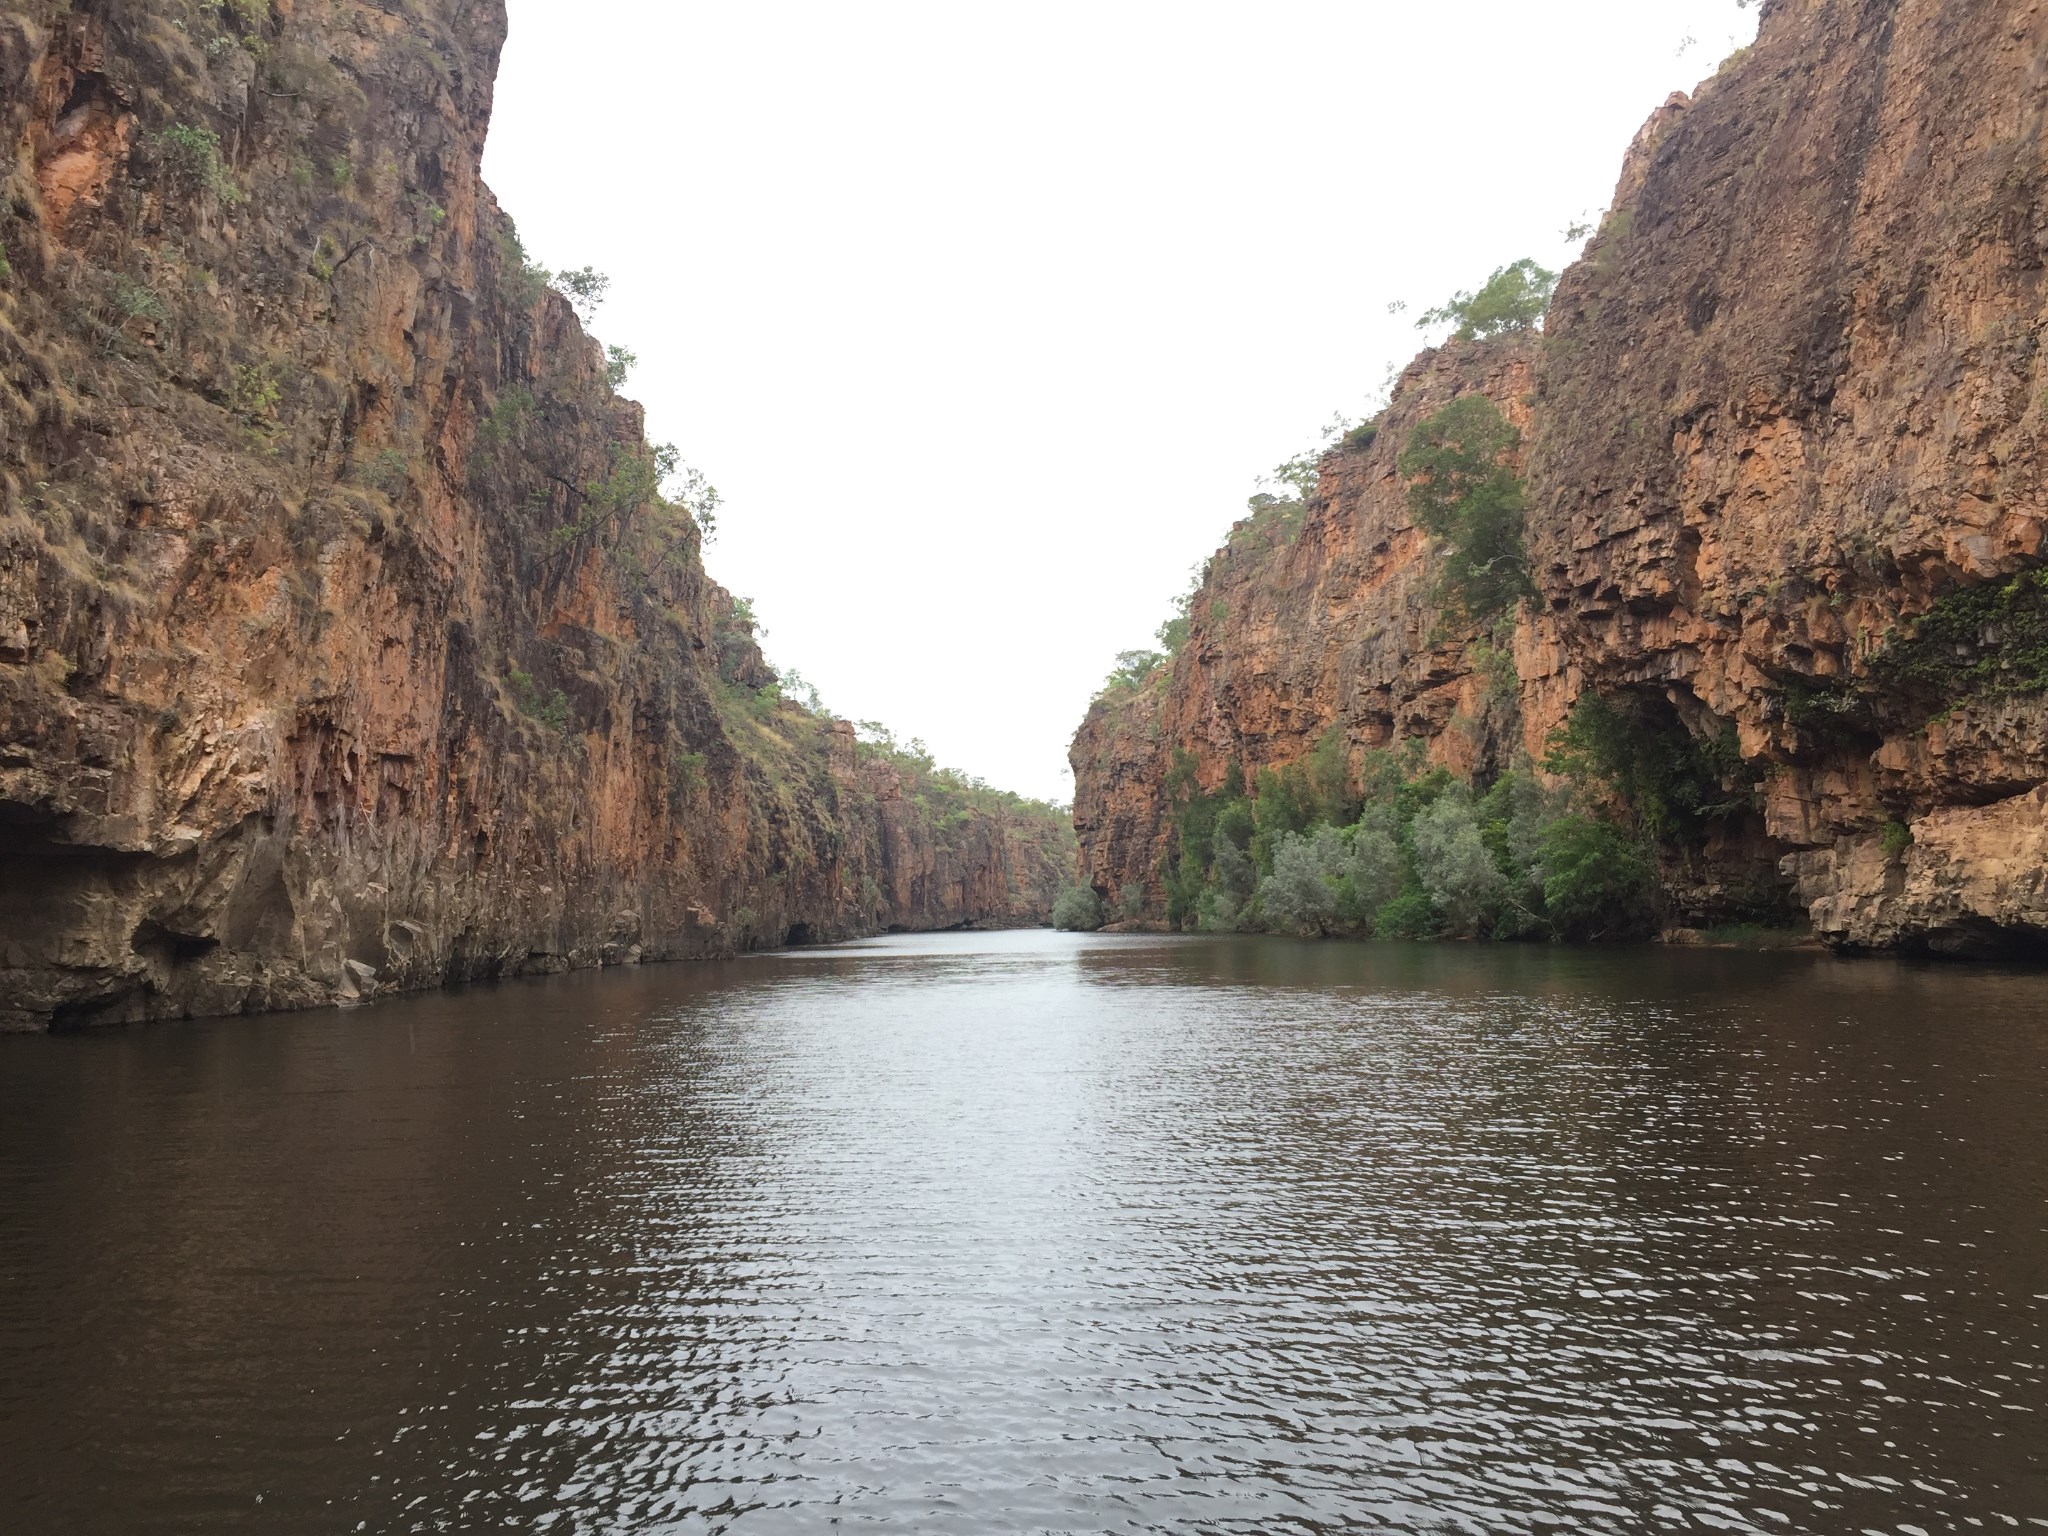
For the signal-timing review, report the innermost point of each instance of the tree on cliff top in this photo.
(1514, 299)
(1132, 668)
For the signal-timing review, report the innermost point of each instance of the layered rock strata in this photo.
(1293, 634)
(344, 646)
(1785, 472)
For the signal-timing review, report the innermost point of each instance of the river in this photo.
(1030, 1232)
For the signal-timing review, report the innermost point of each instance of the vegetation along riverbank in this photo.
(1703, 587)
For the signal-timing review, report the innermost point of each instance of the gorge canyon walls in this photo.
(345, 642)
(1782, 436)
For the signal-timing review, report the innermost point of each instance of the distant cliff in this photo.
(346, 643)
(1782, 439)
(1294, 631)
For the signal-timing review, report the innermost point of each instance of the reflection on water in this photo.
(1024, 1232)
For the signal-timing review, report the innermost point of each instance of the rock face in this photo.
(1293, 634)
(344, 646)
(1785, 465)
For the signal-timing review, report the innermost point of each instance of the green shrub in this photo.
(1732, 60)
(139, 301)
(1828, 711)
(1235, 877)
(1456, 869)
(1272, 520)
(1465, 496)
(389, 472)
(1173, 634)
(1131, 670)
(1514, 299)
(1896, 838)
(1637, 749)
(1283, 803)
(1077, 909)
(521, 281)
(1410, 915)
(1213, 830)
(1379, 866)
(1362, 436)
(1597, 881)
(618, 362)
(1300, 895)
(1985, 641)
(1423, 858)
(550, 709)
(501, 426)
(192, 158)
(256, 393)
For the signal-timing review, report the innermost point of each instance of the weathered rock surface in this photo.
(1290, 637)
(342, 646)
(1791, 397)
(1790, 400)
(1974, 881)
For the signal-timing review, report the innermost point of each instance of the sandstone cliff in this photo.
(344, 644)
(1785, 469)
(1295, 633)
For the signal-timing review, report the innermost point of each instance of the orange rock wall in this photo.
(1791, 395)
(1333, 629)
(332, 659)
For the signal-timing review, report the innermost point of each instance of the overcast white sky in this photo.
(986, 317)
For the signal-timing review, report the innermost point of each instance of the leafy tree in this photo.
(1379, 867)
(796, 687)
(1464, 494)
(1422, 859)
(1463, 883)
(618, 362)
(1328, 768)
(1514, 299)
(192, 157)
(1235, 877)
(1672, 782)
(1598, 881)
(1077, 909)
(1285, 803)
(1300, 896)
(1131, 669)
(585, 289)
(687, 488)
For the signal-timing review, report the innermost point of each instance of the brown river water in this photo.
(980, 1233)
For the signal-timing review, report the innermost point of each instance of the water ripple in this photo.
(1025, 1233)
